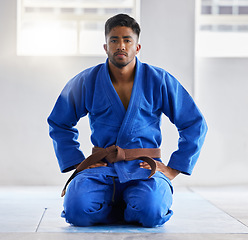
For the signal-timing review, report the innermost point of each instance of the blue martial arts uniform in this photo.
(154, 92)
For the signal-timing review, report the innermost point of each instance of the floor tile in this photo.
(120, 236)
(231, 199)
(22, 208)
(192, 214)
(38, 209)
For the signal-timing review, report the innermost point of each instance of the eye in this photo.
(113, 41)
(127, 41)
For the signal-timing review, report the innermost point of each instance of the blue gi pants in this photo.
(99, 199)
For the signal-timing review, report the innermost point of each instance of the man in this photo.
(124, 179)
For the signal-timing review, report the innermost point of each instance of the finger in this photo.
(102, 164)
(145, 165)
(161, 166)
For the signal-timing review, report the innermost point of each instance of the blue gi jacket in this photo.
(154, 92)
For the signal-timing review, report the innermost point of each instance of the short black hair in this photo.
(122, 20)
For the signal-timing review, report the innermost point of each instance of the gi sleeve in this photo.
(69, 108)
(182, 111)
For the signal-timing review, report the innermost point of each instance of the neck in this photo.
(124, 74)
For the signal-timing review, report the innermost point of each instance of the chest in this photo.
(124, 92)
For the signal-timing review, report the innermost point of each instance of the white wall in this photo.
(221, 87)
(167, 37)
(30, 85)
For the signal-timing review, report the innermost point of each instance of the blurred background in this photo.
(44, 43)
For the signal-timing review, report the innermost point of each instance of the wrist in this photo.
(173, 172)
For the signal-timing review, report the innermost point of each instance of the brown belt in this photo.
(115, 154)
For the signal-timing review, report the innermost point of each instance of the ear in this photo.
(105, 47)
(138, 47)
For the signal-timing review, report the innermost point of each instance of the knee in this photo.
(83, 207)
(83, 213)
(149, 207)
(148, 211)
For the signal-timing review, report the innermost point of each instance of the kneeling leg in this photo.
(88, 200)
(148, 202)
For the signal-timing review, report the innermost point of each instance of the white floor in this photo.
(199, 213)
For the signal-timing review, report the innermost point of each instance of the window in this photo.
(66, 27)
(222, 28)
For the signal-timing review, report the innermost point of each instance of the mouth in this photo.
(120, 54)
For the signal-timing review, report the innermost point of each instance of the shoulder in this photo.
(156, 74)
(86, 76)
(152, 70)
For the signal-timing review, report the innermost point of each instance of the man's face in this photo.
(121, 46)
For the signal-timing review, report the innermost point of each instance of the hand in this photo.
(161, 167)
(99, 164)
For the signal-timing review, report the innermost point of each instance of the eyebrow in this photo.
(115, 37)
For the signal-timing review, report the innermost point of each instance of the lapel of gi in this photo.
(125, 130)
(126, 117)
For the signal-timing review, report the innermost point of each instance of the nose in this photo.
(121, 46)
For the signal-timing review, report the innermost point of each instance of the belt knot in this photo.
(115, 154)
